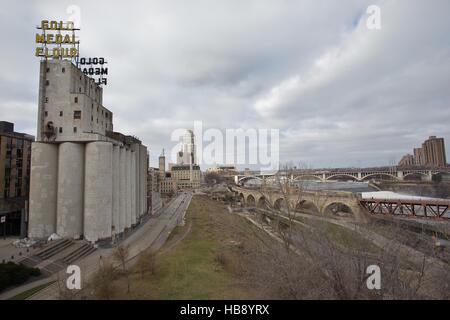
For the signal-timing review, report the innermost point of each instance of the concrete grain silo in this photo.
(116, 189)
(133, 188)
(136, 150)
(69, 218)
(128, 188)
(123, 191)
(43, 189)
(98, 191)
(143, 179)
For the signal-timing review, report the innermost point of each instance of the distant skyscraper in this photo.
(162, 165)
(419, 156)
(187, 155)
(407, 160)
(434, 149)
(432, 153)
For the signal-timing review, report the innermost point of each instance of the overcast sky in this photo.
(340, 93)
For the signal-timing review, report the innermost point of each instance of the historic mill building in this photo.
(87, 181)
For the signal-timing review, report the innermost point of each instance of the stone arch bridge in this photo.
(316, 202)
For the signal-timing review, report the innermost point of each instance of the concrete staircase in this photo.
(59, 246)
(83, 251)
(58, 255)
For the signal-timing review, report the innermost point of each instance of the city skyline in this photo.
(239, 151)
(170, 65)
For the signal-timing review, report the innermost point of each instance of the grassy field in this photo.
(204, 265)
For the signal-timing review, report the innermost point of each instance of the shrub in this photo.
(13, 274)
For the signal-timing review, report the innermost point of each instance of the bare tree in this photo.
(102, 281)
(314, 265)
(121, 254)
(146, 263)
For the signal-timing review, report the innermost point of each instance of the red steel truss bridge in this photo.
(416, 208)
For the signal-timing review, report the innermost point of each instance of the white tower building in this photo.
(187, 155)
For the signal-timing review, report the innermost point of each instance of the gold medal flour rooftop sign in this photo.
(57, 40)
(94, 68)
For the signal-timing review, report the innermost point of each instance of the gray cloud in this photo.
(341, 94)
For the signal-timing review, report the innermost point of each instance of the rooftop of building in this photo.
(126, 139)
(180, 167)
(7, 129)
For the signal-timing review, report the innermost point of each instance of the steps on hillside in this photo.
(53, 250)
(49, 250)
(58, 255)
(79, 253)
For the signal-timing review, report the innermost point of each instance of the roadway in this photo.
(151, 235)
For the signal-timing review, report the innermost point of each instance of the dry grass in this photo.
(205, 264)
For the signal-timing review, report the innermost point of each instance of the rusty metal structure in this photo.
(423, 208)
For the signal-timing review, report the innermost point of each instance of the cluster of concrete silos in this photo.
(93, 190)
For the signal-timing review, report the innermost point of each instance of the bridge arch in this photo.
(417, 174)
(243, 179)
(436, 174)
(251, 202)
(364, 178)
(279, 204)
(338, 209)
(262, 203)
(347, 175)
(242, 199)
(307, 206)
(299, 178)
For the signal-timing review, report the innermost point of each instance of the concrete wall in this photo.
(98, 191)
(128, 188)
(93, 189)
(123, 191)
(69, 210)
(61, 90)
(116, 190)
(143, 174)
(43, 189)
(134, 204)
(137, 169)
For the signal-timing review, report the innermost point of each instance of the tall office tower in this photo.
(419, 157)
(434, 150)
(86, 180)
(162, 165)
(406, 160)
(187, 154)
